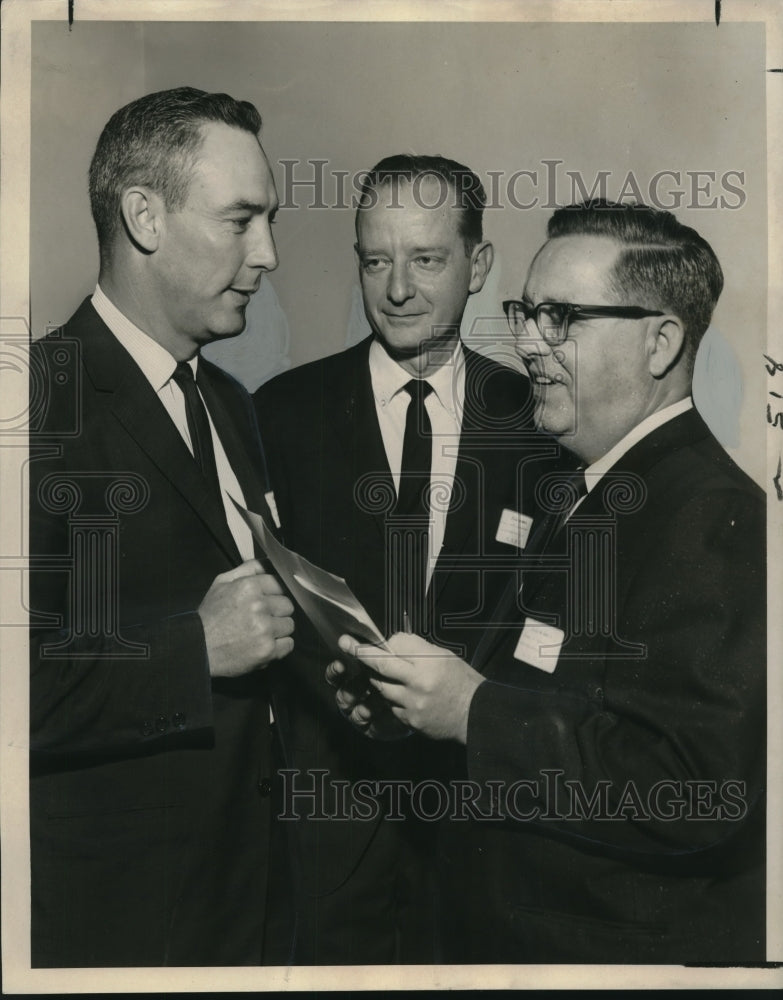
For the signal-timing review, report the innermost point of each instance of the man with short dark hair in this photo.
(395, 465)
(150, 744)
(614, 716)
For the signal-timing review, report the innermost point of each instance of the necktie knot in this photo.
(183, 374)
(418, 389)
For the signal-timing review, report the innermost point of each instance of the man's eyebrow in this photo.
(424, 249)
(368, 251)
(249, 206)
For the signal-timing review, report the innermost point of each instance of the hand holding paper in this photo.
(246, 619)
(360, 703)
(428, 688)
(326, 599)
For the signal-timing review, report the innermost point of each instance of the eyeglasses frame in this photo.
(572, 310)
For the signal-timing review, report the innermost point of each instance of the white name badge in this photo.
(513, 528)
(270, 500)
(539, 645)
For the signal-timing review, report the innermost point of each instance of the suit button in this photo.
(178, 719)
(265, 787)
(146, 728)
(161, 723)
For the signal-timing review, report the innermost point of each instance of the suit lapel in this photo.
(466, 522)
(533, 565)
(508, 612)
(465, 519)
(680, 432)
(137, 407)
(360, 445)
(637, 462)
(249, 468)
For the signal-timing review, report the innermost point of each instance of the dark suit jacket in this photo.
(334, 490)
(657, 700)
(149, 801)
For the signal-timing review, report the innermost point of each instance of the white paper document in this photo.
(326, 599)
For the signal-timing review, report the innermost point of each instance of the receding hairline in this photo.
(411, 177)
(615, 238)
(611, 281)
(388, 178)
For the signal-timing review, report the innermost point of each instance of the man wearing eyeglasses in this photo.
(613, 718)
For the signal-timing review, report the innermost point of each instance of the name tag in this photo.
(539, 645)
(270, 500)
(513, 528)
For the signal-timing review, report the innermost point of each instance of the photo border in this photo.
(17, 16)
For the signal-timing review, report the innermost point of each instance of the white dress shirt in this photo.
(445, 406)
(158, 366)
(595, 472)
(599, 468)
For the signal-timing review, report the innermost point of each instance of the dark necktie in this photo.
(416, 463)
(198, 427)
(411, 514)
(562, 497)
(572, 490)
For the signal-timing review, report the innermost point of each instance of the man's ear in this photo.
(666, 345)
(480, 265)
(142, 213)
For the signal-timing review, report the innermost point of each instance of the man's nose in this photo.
(262, 252)
(400, 287)
(528, 341)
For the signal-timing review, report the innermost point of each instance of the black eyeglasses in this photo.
(552, 318)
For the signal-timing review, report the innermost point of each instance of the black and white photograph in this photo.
(391, 470)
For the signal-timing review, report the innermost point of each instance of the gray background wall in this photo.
(499, 97)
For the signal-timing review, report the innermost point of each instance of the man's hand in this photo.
(427, 688)
(361, 705)
(247, 621)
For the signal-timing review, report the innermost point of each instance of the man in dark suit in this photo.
(338, 434)
(614, 716)
(150, 745)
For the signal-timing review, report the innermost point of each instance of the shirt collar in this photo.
(594, 472)
(388, 377)
(154, 360)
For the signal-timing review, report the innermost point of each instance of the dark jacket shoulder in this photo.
(491, 386)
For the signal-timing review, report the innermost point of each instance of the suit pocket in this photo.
(97, 834)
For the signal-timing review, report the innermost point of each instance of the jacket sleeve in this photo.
(670, 744)
(106, 693)
(116, 665)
